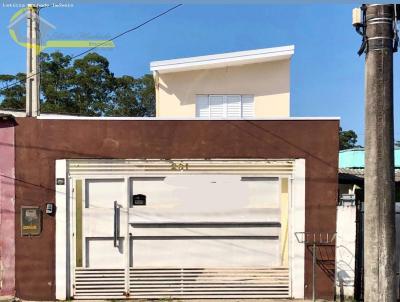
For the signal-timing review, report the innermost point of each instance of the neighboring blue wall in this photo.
(354, 158)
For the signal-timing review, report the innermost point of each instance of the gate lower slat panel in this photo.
(209, 283)
(99, 283)
(151, 283)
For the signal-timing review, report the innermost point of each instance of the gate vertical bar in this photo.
(313, 271)
(72, 235)
(358, 253)
(127, 247)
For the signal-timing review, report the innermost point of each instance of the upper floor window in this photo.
(224, 106)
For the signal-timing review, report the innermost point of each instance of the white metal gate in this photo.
(200, 235)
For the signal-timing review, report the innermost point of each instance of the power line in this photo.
(102, 43)
(127, 31)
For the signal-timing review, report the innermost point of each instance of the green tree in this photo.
(347, 139)
(85, 86)
(56, 83)
(12, 89)
(93, 85)
(132, 97)
(145, 90)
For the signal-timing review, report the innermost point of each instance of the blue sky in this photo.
(327, 77)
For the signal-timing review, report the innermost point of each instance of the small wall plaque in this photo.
(31, 221)
(138, 200)
(50, 208)
(60, 181)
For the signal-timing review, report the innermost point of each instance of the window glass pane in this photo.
(224, 106)
(202, 106)
(247, 106)
(217, 108)
(233, 106)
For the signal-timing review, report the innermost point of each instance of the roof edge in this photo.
(70, 117)
(223, 59)
(14, 113)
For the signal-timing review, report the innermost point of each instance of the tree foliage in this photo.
(347, 139)
(84, 86)
(13, 96)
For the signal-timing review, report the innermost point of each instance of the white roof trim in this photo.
(52, 116)
(224, 59)
(111, 118)
(14, 113)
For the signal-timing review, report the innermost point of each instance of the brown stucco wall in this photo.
(7, 194)
(40, 142)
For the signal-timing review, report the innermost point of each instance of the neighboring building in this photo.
(244, 84)
(184, 207)
(351, 171)
(350, 212)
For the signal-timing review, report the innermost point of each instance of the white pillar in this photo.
(345, 249)
(62, 225)
(297, 218)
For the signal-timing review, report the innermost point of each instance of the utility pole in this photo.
(377, 24)
(32, 62)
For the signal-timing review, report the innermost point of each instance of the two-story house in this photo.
(218, 196)
(245, 84)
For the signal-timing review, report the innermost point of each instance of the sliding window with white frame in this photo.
(224, 106)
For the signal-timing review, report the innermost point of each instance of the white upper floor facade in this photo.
(244, 84)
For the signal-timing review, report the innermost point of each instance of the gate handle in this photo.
(116, 223)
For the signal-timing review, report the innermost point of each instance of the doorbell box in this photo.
(50, 208)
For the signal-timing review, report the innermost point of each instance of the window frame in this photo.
(225, 105)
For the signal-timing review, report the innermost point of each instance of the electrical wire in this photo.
(102, 43)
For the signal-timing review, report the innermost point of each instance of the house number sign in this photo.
(179, 166)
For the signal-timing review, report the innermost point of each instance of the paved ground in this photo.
(183, 300)
(5, 299)
(251, 300)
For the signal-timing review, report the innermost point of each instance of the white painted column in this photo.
(297, 221)
(345, 249)
(61, 230)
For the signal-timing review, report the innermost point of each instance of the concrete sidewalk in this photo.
(185, 300)
(11, 299)
(7, 299)
(244, 300)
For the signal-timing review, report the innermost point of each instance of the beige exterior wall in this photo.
(269, 83)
